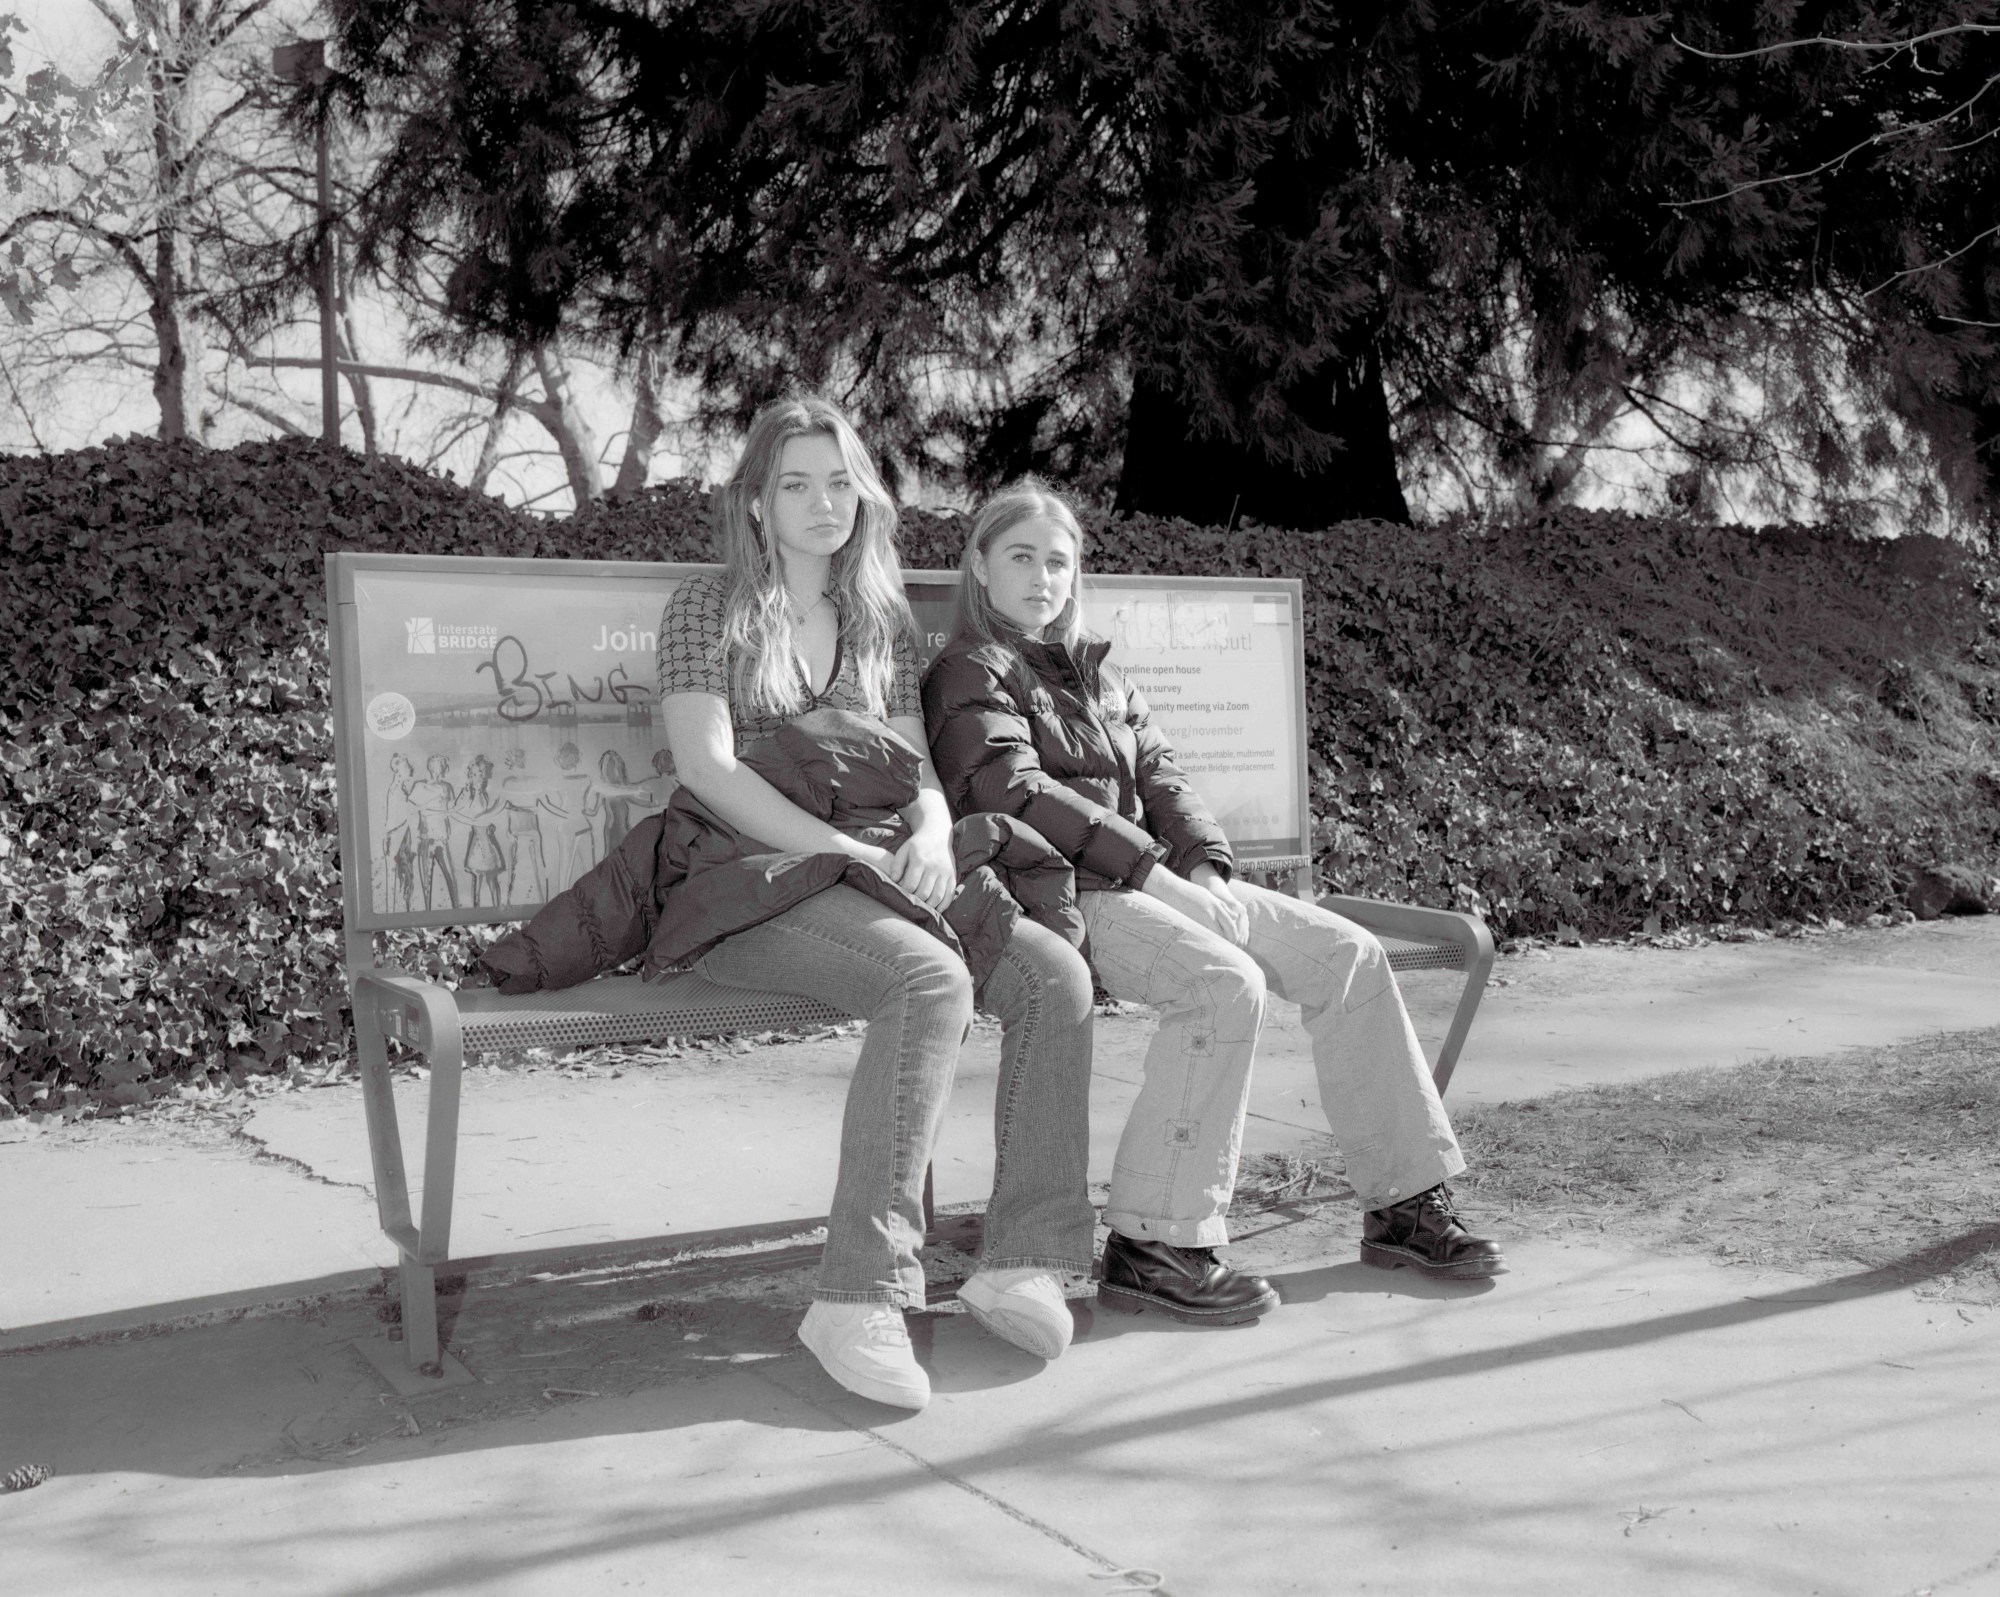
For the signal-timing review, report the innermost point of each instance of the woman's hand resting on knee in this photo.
(1205, 900)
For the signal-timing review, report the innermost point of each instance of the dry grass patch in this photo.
(1815, 1165)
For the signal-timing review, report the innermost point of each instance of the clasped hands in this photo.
(1203, 896)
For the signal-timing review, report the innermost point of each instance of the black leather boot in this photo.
(1191, 1284)
(1423, 1232)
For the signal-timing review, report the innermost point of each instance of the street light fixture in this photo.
(305, 63)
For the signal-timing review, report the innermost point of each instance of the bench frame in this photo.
(439, 1023)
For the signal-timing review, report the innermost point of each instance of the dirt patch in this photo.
(1811, 1165)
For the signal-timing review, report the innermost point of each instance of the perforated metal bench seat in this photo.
(1406, 955)
(616, 1009)
(628, 1009)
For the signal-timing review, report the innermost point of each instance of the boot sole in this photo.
(1397, 1259)
(1125, 1300)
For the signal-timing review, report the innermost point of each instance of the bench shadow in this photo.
(288, 1394)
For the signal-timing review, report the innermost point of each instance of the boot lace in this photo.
(1439, 1200)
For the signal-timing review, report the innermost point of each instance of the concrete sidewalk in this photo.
(145, 1223)
(1596, 1420)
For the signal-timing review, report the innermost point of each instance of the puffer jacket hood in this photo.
(1058, 738)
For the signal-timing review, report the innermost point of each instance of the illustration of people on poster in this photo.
(530, 714)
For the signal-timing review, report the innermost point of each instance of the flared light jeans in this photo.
(848, 951)
(1176, 1162)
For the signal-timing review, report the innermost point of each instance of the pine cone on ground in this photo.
(19, 1480)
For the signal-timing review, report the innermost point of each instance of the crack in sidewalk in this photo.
(261, 1150)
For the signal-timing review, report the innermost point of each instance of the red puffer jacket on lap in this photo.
(1059, 739)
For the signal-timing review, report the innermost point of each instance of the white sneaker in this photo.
(1025, 1307)
(866, 1348)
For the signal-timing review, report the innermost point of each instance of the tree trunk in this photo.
(1169, 471)
(177, 370)
(350, 342)
(489, 446)
(643, 434)
(1981, 387)
(177, 385)
(1249, 169)
(567, 426)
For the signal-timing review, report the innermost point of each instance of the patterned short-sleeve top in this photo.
(691, 662)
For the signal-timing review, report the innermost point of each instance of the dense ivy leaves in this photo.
(168, 847)
(1585, 720)
(1597, 718)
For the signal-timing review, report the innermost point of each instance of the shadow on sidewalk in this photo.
(279, 1396)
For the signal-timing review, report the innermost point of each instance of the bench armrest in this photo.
(1466, 933)
(420, 1013)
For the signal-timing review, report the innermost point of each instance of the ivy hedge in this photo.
(1581, 721)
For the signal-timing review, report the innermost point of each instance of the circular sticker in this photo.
(391, 716)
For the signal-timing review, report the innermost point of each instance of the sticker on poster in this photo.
(391, 716)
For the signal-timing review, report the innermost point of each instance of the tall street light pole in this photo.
(305, 63)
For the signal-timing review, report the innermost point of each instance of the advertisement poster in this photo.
(1218, 669)
(510, 731)
(510, 734)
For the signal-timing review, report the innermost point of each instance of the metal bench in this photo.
(444, 666)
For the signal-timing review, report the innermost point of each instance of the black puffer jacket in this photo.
(1059, 739)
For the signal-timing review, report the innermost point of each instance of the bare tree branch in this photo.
(1887, 135)
(1888, 45)
(265, 413)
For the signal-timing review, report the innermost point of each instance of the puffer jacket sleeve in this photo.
(596, 924)
(983, 745)
(1173, 809)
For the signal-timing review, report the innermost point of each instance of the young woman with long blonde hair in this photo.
(810, 612)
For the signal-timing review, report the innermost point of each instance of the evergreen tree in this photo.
(1855, 177)
(1244, 243)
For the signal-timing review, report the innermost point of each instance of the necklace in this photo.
(805, 611)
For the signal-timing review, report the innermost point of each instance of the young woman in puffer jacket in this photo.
(810, 613)
(1028, 717)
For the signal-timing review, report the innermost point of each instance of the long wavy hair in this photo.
(758, 635)
(1020, 501)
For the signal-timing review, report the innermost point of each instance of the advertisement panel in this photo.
(501, 726)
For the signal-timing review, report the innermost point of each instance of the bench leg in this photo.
(1478, 966)
(385, 1140)
(420, 1315)
(1467, 933)
(419, 1251)
(447, 1062)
